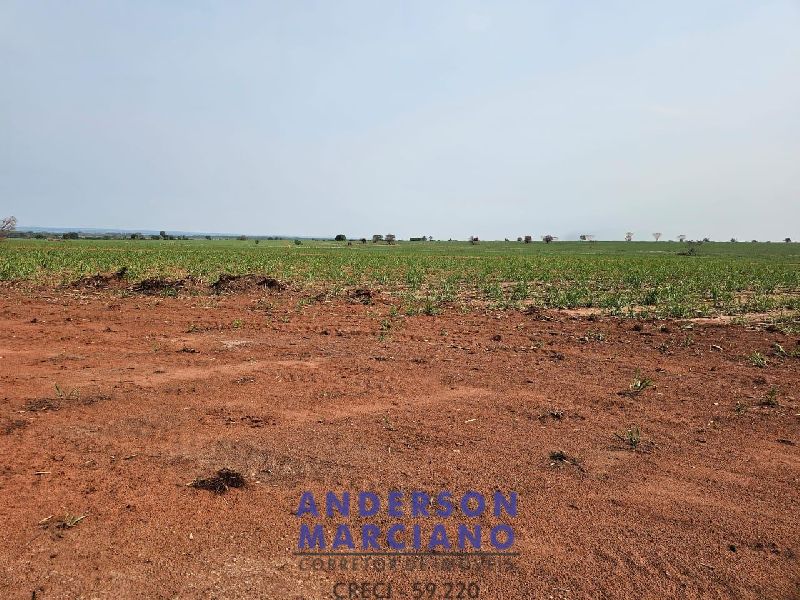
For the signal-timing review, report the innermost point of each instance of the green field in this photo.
(625, 278)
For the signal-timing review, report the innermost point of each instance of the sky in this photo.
(449, 118)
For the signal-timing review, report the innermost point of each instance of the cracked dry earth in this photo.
(113, 403)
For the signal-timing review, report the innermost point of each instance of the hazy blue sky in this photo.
(437, 118)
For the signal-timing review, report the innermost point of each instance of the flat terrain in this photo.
(112, 402)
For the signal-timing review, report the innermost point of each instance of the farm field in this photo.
(655, 456)
(643, 278)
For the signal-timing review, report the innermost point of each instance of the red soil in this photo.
(156, 392)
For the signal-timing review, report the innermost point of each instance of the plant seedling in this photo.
(639, 384)
(771, 397)
(632, 437)
(757, 359)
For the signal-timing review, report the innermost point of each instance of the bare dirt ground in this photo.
(154, 392)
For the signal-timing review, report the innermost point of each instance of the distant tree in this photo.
(705, 239)
(586, 237)
(73, 235)
(7, 225)
(733, 240)
(629, 236)
(390, 238)
(682, 237)
(162, 234)
(377, 238)
(787, 240)
(473, 239)
(656, 236)
(547, 238)
(256, 241)
(242, 238)
(208, 237)
(298, 243)
(340, 238)
(363, 240)
(155, 237)
(519, 239)
(528, 239)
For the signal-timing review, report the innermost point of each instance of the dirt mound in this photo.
(9, 426)
(101, 280)
(42, 404)
(243, 283)
(362, 295)
(158, 285)
(221, 482)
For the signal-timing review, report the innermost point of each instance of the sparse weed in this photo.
(559, 457)
(631, 437)
(68, 521)
(386, 327)
(757, 359)
(73, 394)
(770, 398)
(593, 336)
(783, 353)
(639, 384)
(430, 308)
